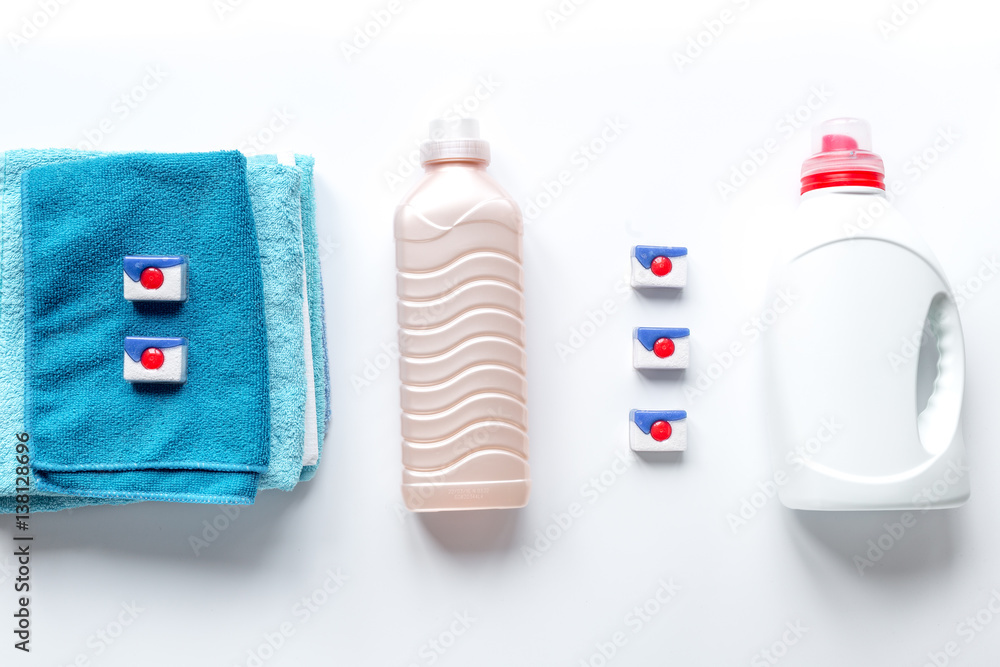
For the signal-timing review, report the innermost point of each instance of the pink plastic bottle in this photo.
(461, 336)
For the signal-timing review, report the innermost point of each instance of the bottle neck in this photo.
(843, 190)
(442, 165)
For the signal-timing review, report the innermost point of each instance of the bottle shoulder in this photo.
(446, 198)
(835, 218)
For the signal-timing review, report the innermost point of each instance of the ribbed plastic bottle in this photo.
(855, 298)
(461, 331)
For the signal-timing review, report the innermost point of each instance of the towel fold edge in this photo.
(159, 465)
(192, 498)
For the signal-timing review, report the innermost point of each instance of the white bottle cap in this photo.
(454, 141)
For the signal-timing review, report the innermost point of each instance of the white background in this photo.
(554, 89)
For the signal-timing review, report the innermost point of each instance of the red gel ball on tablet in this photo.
(152, 358)
(661, 266)
(151, 278)
(663, 348)
(660, 431)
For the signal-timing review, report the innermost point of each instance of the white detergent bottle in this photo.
(856, 291)
(461, 331)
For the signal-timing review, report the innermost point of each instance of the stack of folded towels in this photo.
(253, 408)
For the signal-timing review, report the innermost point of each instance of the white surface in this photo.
(275, 69)
(842, 348)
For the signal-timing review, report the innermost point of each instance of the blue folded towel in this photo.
(317, 312)
(94, 434)
(317, 315)
(12, 165)
(276, 199)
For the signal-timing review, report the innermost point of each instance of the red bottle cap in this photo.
(842, 157)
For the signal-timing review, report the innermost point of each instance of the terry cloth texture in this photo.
(317, 315)
(93, 434)
(274, 193)
(12, 165)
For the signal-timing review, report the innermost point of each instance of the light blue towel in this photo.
(317, 314)
(92, 433)
(276, 199)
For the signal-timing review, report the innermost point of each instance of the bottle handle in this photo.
(937, 423)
